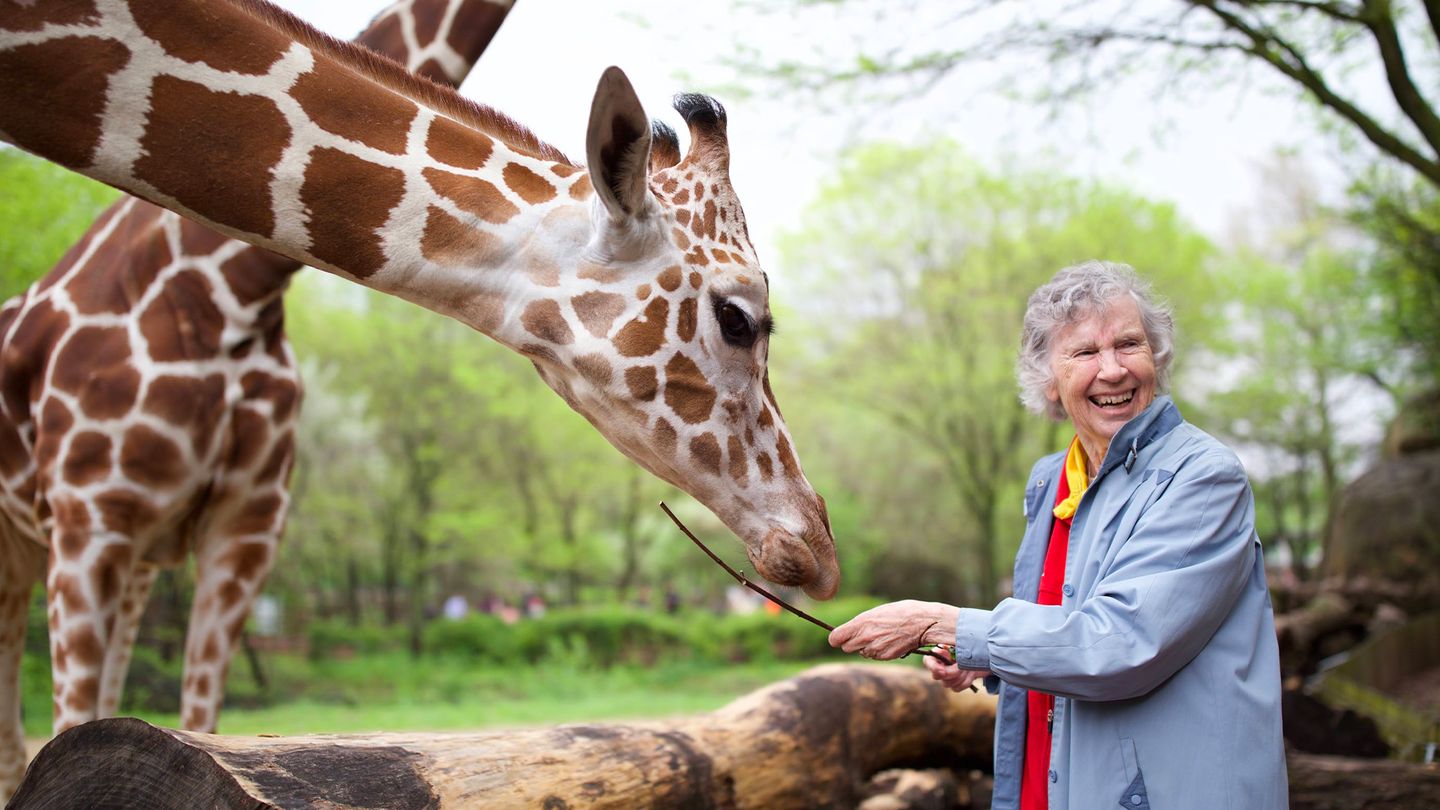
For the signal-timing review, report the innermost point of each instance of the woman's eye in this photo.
(735, 325)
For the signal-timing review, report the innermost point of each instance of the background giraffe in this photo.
(199, 463)
(635, 292)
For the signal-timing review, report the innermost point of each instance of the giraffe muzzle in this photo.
(808, 563)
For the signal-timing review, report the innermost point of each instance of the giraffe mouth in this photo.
(786, 559)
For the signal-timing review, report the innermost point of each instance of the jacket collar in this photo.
(1155, 421)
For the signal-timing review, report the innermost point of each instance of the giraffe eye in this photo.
(735, 326)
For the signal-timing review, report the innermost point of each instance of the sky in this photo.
(542, 68)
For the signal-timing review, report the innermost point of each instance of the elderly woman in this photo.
(1136, 663)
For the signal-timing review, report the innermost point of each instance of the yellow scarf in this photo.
(1077, 475)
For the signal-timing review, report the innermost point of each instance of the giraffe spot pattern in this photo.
(257, 516)
(426, 27)
(764, 465)
(34, 16)
(125, 511)
(149, 458)
(669, 279)
(786, 456)
(110, 392)
(88, 459)
(127, 270)
(449, 242)
(187, 401)
(253, 274)
(687, 320)
(349, 199)
(594, 368)
(250, 432)
(89, 348)
(531, 187)
(598, 311)
(457, 145)
(340, 102)
(687, 392)
(70, 132)
(198, 33)
(642, 292)
(385, 35)
(277, 466)
(581, 189)
(282, 394)
(478, 197)
(739, 466)
(55, 421)
(695, 279)
(109, 569)
(544, 320)
(705, 449)
(237, 159)
(183, 322)
(665, 437)
(642, 382)
(644, 335)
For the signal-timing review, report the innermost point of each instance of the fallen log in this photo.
(809, 741)
(1343, 783)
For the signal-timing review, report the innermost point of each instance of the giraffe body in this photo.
(148, 399)
(630, 283)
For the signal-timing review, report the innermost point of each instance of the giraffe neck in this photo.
(245, 119)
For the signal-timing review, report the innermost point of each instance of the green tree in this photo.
(921, 262)
(1303, 358)
(1368, 68)
(44, 209)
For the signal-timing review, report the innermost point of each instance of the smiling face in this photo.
(1104, 373)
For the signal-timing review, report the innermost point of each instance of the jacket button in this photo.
(1054, 777)
(1135, 800)
(1068, 590)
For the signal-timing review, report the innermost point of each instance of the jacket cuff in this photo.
(972, 629)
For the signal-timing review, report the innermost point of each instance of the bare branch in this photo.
(1381, 25)
(1287, 59)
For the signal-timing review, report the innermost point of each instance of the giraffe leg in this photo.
(122, 640)
(86, 577)
(14, 603)
(229, 572)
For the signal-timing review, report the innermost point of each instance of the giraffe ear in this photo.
(617, 145)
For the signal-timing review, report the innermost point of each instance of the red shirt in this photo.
(1035, 774)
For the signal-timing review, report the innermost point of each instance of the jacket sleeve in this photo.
(1167, 591)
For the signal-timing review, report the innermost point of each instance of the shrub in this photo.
(478, 637)
(604, 637)
(330, 638)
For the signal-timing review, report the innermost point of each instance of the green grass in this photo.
(395, 693)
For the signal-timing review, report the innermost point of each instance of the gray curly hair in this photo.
(1072, 295)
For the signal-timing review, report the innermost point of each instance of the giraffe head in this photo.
(670, 364)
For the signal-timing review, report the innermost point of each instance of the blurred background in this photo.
(910, 171)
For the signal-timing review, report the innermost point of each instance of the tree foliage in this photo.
(43, 210)
(921, 262)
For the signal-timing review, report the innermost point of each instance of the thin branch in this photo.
(1382, 26)
(1263, 45)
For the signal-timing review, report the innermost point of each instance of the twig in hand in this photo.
(744, 580)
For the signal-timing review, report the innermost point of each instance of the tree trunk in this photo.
(810, 741)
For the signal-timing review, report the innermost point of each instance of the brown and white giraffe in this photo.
(631, 284)
(163, 344)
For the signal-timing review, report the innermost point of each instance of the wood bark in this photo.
(1341, 783)
(810, 741)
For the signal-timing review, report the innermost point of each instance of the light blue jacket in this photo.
(1162, 654)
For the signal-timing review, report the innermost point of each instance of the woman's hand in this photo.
(950, 675)
(896, 629)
